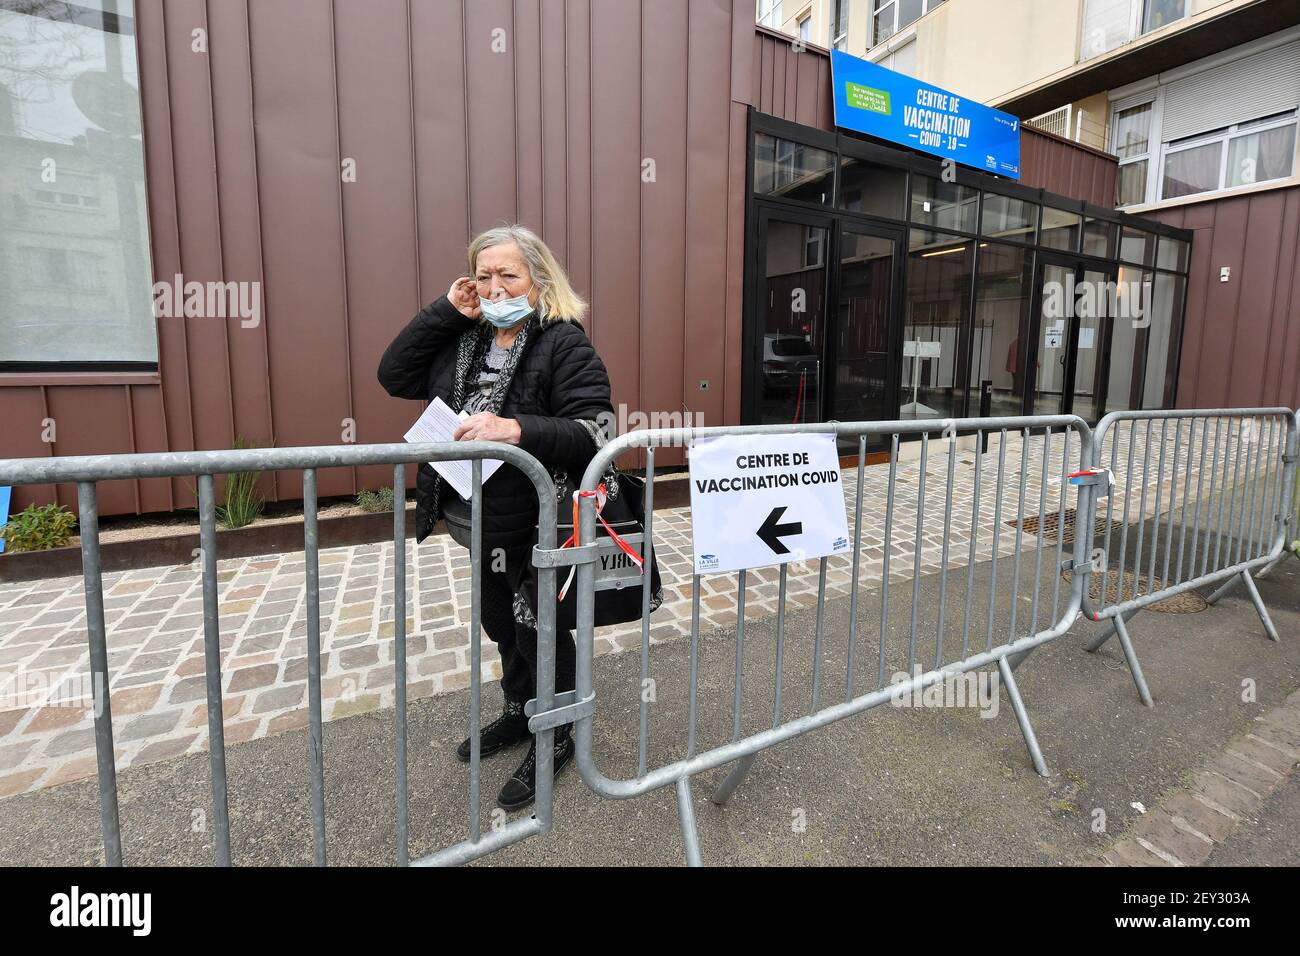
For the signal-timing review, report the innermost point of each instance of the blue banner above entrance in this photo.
(883, 103)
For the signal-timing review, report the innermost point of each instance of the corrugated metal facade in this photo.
(244, 146)
(1241, 343)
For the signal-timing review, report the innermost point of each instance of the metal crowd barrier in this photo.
(1002, 648)
(89, 470)
(1292, 548)
(1200, 498)
(1220, 484)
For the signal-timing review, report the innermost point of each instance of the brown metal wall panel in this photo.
(1288, 387)
(743, 61)
(194, 157)
(554, 117)
(662, 329)
(150, 434)
(616, 193)
(707, 255)
(1223, 322)
(491, 134)
(21, 429)
(239, 217)
(106, 432)
(581, 146)
(1256, 282)
(1242, 344)
(375, 132)
(164, 229)
(810, 96)
(1242, 337)
(299, 174)
(527, 94)
(736, 202)
(439, 106)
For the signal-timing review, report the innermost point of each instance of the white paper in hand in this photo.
(438, 424)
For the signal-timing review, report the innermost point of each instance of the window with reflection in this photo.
(1136, 246)
(1003, 279)
(1162, 334)
(1172, 254)
(1005, 217)
(866, 278)
(75, 270)
(872, 189)
(1128, 340)
(793, 297)
(789, 170)
(936, 307)
(1099, 238)
(1060, 229)
(940, 205)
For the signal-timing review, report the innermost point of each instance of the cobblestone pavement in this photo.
(155, 637)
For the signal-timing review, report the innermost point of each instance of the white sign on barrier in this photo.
(765, 499)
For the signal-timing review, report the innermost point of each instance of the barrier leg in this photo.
(1104, 636)
(1015, 660)
(1267, 569)
(1269, 629)
(687, 811)
(734, 779)
(1223, 589)
(1134, 667)
(1022, 718)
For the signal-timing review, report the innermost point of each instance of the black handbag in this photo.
(624, 514)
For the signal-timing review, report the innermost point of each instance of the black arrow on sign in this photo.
(771, 533)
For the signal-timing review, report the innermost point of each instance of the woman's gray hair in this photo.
(557, 301)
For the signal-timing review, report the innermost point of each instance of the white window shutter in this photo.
(1244, 89)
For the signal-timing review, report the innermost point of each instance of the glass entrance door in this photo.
(866, 287)
(1092, 314)
(793, 252)
(1072, 312)
(828, 291)
(1055, 284)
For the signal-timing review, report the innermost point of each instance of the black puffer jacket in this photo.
(559, 379)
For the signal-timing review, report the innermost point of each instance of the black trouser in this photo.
(517, 642)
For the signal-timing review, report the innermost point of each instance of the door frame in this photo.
(835, 221)
(897, 234)
(751, 398)
(1077, 265)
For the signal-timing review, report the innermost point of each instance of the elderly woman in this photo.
(506, 344)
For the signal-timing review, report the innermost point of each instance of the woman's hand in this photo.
(464, 296)
(488, 427)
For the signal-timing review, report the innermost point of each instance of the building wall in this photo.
(797, 87)
(244, 147)
(1241, 343)
(991, 49)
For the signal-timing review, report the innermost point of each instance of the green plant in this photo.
(243, 503)
(38, 529)
(375, 502)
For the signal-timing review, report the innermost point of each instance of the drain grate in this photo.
(1188, 602)
(1051, 526)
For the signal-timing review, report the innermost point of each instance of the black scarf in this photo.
(471, 348)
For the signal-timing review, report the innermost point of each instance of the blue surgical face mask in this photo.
(503, 313)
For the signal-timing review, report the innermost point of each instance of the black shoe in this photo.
(521, 789)
(506, 731)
